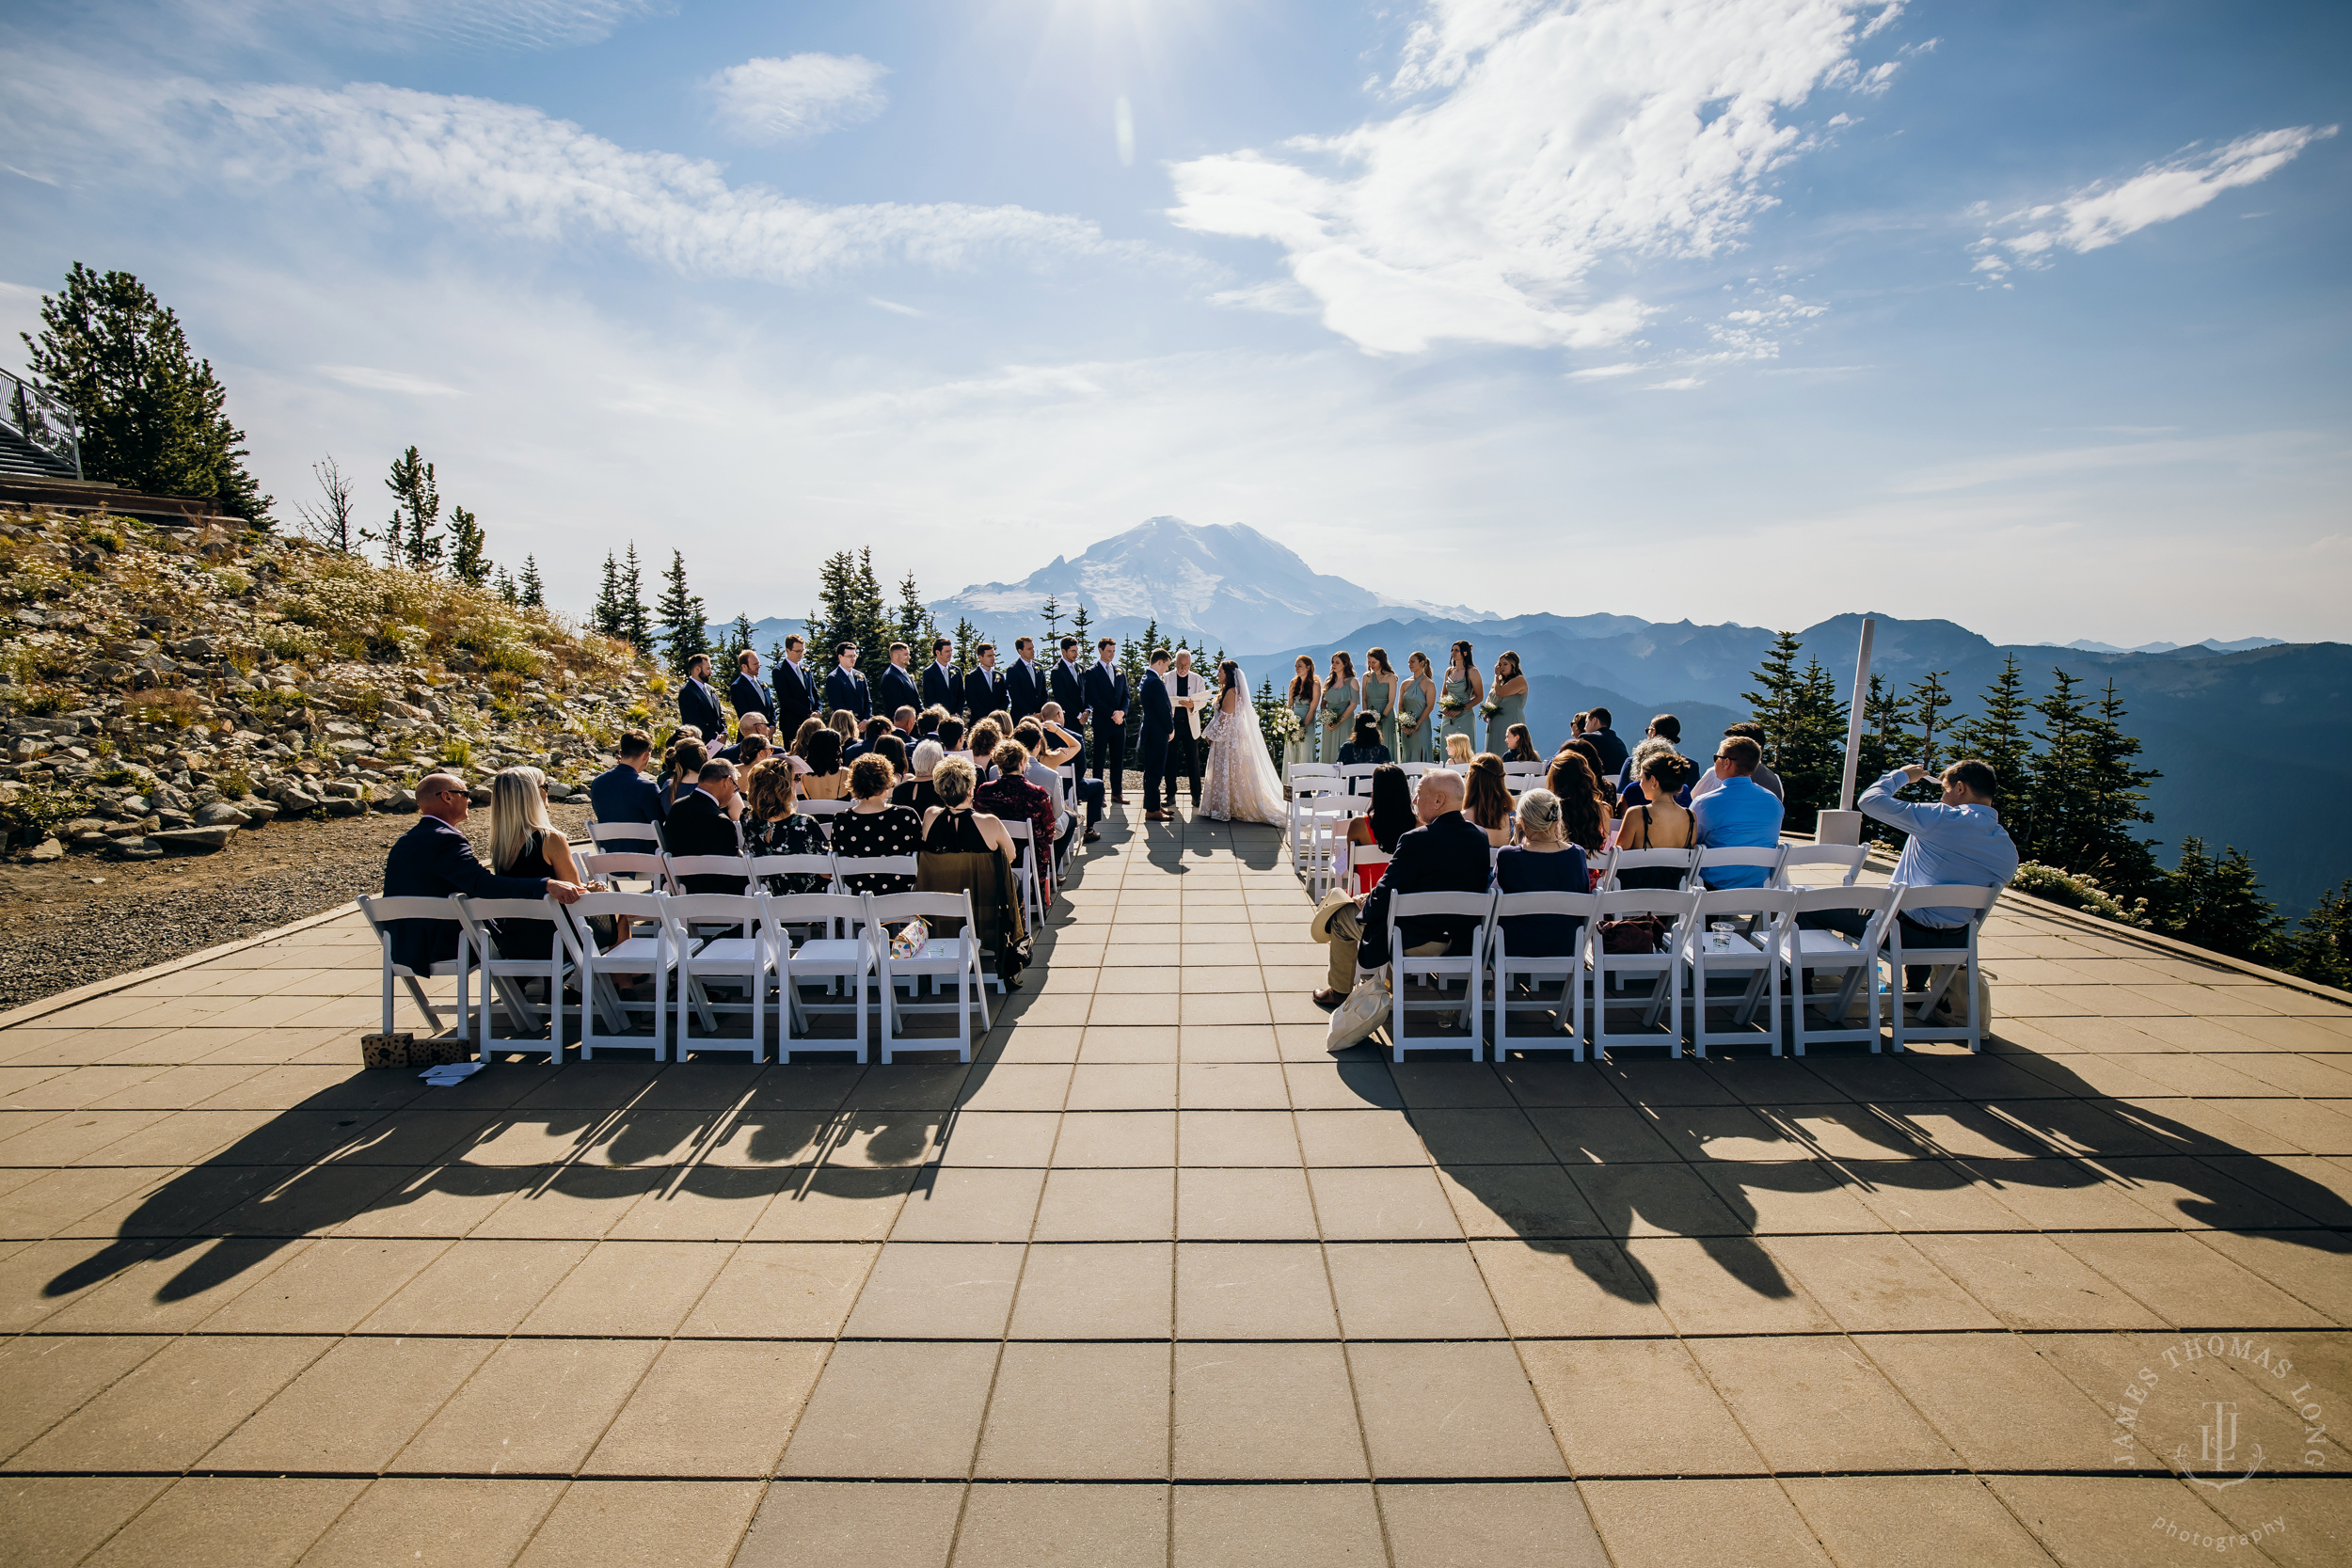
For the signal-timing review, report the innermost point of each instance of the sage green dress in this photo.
(1411, 708)
(1303, 748)
(1338, 698)
(1508, 711)
(1376, 697)
(1463, 723)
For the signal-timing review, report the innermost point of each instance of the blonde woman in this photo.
(843, 723)
(1458, 753)
(524, 842)
(1305, 696)
(1415, 700)
(1342, 696)
(1379, 693)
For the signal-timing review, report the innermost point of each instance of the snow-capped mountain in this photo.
(1226, 584)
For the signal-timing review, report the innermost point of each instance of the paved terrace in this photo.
(1156, 1281)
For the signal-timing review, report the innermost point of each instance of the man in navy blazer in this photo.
(795, 688)
(1159, 722)
(844, 687)
(1447, 853)
(698, 704)
(943, 687)
(1066, 682)
(1106, 687)
(984, 688)
(1026, 691)
(893, 689)
(433, 860)
(622, 793)
(746, 692)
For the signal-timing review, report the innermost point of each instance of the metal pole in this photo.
(1853, 724)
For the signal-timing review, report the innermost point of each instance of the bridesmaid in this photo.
(1306, 693)
(1464, 691)
(1510, 700)
(1342, 696)
(1414, 700)
(1380, 684)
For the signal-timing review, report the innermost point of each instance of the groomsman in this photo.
(795, 688)
(984, 688)
(698, 704)
(942, 685)
(1024, 683)
(1187, 691)
(1066, 680)
(746, 692)
(844, 687)
(1151, 744)
(895, 688)
(1105, 689)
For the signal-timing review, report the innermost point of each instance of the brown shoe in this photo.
(1156, 817)
(1328, 1000)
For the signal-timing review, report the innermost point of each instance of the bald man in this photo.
(1447, 853)
(434, 859)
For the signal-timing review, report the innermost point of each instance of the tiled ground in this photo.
(1157, 1281)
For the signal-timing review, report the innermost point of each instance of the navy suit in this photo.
(698, 705)
(1069, 689)
(1159, 722)
(1025, 692)
(796, 699)
(697, 826)
(893, 689)
(1449, 855)
(622, 794)
(1612, 749)
(943, 687)
(433, 860)
(845, 689)
(984, 692)
(749, 696)
(1105, 694)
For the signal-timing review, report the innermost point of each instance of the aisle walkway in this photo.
(1155, 1281)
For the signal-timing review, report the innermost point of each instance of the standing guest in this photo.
(1457, 704)
(751, 726)
(1011, 797)
(622, 793)
(1509, 702)
(1522, 745)
(1458, 753)
(919, 793)
(1706, 782)
(1025, 688)
(1738, 814)
(1445, 854)
(795, 686)
(1415, 702)
(895, 688)
(799, 751)
(1067, 681)
(1659, 822)
(1605, 740)
(874, 826)
(1379, 688)
(433, 860)
(983, 684)
(745, 691)
(1364, 747)
(943, 687)
(844, 687)
(827, 779)
(1543, 861)
(1187, 693)
(1389, 818)
(697, 703)
(1159, 724)
(1106, 699)
(1305, 696)
(1487, 802)
(681, 770)
(1341, 697)
(1060, 749)
(1584, 803)
(524, 844)
(704, 823)
(773, 824)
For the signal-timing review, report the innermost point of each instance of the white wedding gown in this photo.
(1243, 785)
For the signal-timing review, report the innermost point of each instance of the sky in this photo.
(2029, 316)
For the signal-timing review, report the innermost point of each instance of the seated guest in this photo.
(869, 733)
(773, 824)
(1659, 822)
(902, 721)
(622, 793)
(1364, 745)
(1543, 861)
(681, 772)
(950, 734)
(1707, 782)
(1457, 750)
(1060, 749)
(1738, 815)
(1004, 721)
(892, 748)
(1521, 744)
(928, 721)
(747, 753)
(843, 723)
(1605, 741)
(969, 851)
(874, 828)
(1390, 818)
(827, 779)
(433, 860)
(1665, 728)
(1011, 794)
(704, 824)
(525, 843)
(982, 740)
(955, 782)
(799, 749)
(1487, 802)
(1591, 753)
(1683, 771)
(1031, 734)
(920, 793)
(1445, 854)
(1583, 806)
(751, 726)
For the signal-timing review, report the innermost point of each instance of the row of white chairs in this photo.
(679, 945)
(668, 872)
(1750, 935)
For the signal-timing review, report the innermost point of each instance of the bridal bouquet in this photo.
(1488, 708)
(1286, 727)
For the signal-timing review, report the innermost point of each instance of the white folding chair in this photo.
(826, 960)
(1524, 775)
(1362, 855)
(1663, 969)
(1413, 771)
(1759, 858)
(1309, 782)
(847, 866)
(765, 866)
(743, 957)
(644, 954)
(1913, 1009)
(1026, 879)
(1566, 968)
(1356, 778)
(643, 838)
(1327, 820)
(943, 958)
(1068, 774)
(652, 870)
(1806, 953)
(1722, 938)
(1847, 858)
(507, 979)
(822, 808)
(1621, 861)
(380, 912)
(1437, 969)
(735, 867)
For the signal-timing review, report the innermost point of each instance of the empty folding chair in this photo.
(1851, 963)
(1736, 933)
(943, 961)
(1326, 821)
(1520, 911)
(1841, 858)
(628, 872)
(1438, 970)
(380, 913)
(1662, 999)
(643, 838)
(844, 961)
(1761, 858)
(508, 979)
(741, 954)
(1309, 781)
(1651, 871)
(644, 957)
(1914, 1009)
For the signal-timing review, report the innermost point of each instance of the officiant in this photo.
(1187, 693)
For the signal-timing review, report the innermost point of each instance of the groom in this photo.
(1152, 745)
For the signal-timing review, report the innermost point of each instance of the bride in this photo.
(1242, 784)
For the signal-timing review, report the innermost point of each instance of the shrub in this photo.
(163, 704)
(237, 784)
(33, 813)
(2078, 892)
(457, 753)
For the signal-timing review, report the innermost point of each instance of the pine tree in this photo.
(914, 621)
(153, 416)
(636, 624)
(1079, 624)
(1774, 707)
(967, 637)
(534, 592)
(607, 617)
(2116, 802)
(2321, 948)
(1812, 752)
(2060, 826)
(682, 618)
(413, 536)
(736, 641)
(1996, 736)
(1885, 733)
(2216, 903)
(506, 590)
(468, 548)
(1051, 615)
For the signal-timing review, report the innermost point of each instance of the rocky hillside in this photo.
(162, 688)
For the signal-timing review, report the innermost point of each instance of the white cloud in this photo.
(770, 99)
(1605, 372)
(892, 306)
(1278, 297)
(1681, 384)
(373, 380)
(2101, 214)
(401, 24)
(1551, 134)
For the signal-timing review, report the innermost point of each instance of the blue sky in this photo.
(2031, 316)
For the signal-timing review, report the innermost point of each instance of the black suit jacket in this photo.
(697, 826)
(1105, 690)
(1159, 715)
(984, 692)
(1069, 690)
(698, 706)
(622, 794)
(847, 689)
(1612, 749)
(749, 696)
(1449, 855)
(942, 688)
(433, 860)
(796, 699)
(893, 689)
(1025, 692)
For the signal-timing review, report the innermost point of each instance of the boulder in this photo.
(257, 812)
(395, 801)
(294, 802)
(220, 814)
(137, 849)
(174, 818)
(47, 849)
(193, 840)
(341, 806)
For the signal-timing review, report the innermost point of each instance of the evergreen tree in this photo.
(468, 548)
(534, 592)
(1929, 699)
(682, 618)
(636, 622)
(413, 537)
(1812, 760)
(1051, 614)
(850, 609)
(1885, 733)
(1996, 736)
(506, 589)
(1773, 707)
(1079, 624)
(915, 626)
(2321, 948)
(2060, 826)
(607, 615)
(153, 416)
(2216, 902)
(967, 637)
(736, 642)
(2117, 801)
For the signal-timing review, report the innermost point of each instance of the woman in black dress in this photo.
(524, 842)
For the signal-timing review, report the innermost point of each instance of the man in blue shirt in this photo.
(622, 793)
(1739, 814)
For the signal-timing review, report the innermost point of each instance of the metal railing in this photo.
(42, 418)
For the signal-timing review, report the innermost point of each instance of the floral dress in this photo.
(796, 835)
